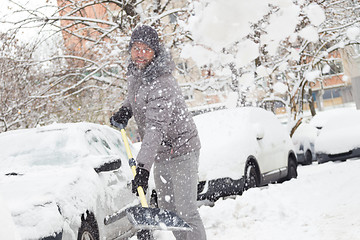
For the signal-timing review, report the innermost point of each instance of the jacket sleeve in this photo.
(159, 109)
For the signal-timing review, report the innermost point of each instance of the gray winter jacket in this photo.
(165, 126)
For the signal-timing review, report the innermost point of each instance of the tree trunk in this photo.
(311, 103)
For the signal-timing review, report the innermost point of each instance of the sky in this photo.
(11, 12)
(35, 32)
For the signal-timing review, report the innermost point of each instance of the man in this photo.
(169, 136)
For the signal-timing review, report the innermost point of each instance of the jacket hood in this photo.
(160, 65)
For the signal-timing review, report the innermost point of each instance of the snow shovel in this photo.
(149, 218)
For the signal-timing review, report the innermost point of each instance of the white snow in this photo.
(353, 33)
(315, 14)
(247, 79)
(339, 125)
(282, 25)
(263, 71)
(229, 137)
(310, 34)
(247, 51)
(322, 117)
(281, 88)
(221, 23)
(326, 69)
(321, 204)
(312, 76)
(294, 54)
(48, 179)
(199, 54)
(341, 128)
(7, 229)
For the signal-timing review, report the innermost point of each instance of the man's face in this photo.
(141, 54)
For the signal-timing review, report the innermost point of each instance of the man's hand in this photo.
(121, 117)
(141, 179)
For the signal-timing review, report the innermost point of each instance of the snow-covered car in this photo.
(339, 137)
(304, 140)
(7, 229)
(65, 181)
(242, 148)
(306, 134)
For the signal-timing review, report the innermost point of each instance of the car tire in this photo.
(308, 158)
(292, 168)
(88, 229)
(251, 176)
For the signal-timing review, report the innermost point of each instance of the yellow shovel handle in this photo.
(126, 142)
(133, 168)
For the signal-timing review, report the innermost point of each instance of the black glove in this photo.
(141, 179)
(121, 117)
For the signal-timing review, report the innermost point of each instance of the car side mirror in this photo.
(259, 132)
(109, 166)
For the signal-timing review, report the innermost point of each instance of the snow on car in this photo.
(242, 148)
(8, 229)
(304, 140)
(306, 134)
(339, 137)
(63, 181)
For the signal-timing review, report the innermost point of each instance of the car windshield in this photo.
(44, 147)
(60, 145)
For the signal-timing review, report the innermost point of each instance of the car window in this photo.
(97, 142)
(114, 139)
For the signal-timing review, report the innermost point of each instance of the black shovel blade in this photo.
(156, 219)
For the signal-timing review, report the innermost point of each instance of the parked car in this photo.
(307, 133)
(63, 181)
(339, 137)
(242, 148)
(304, 141)
(8, 230)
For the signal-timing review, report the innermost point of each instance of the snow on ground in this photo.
(321, 204)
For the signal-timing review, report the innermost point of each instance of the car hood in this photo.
(41, 198)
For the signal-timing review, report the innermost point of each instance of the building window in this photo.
(331, 93)
(187, 92)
